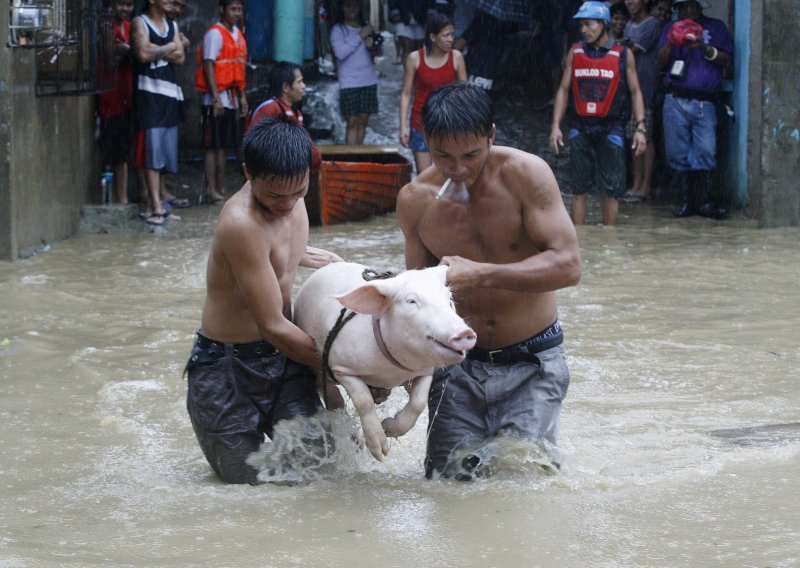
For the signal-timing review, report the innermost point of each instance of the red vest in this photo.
(595, 81)
(229, 66)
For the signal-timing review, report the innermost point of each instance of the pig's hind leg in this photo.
(361, 396)
(404, 420)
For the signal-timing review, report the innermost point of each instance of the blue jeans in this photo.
(690, 133)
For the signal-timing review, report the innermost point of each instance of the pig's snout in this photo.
(463, 341)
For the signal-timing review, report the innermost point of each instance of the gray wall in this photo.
(47, 157)
(777, 181)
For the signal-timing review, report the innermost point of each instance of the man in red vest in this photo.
(220, 77)
(602, 76)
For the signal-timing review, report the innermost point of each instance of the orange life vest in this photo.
(595, 81)
(229, 66)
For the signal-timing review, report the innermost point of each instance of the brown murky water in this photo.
(680, 423)
(680, 426)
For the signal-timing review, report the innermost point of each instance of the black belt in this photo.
(693, 95)
(240, 350)
(551, 337)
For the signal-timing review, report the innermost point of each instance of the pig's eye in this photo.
(411, 300)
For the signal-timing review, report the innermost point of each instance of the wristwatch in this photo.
(642, 130)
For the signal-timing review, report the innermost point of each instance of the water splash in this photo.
(305, 449)
(506, 457)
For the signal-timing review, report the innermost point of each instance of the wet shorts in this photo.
(478, 400)
(157, 149)
(416, 141)
(220, 132)
(597, 157)
(237, 393)
(358, 100)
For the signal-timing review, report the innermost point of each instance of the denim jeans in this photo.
(690, 133)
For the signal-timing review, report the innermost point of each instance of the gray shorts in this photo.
(160, 149)
(475, 401)
(233, 401)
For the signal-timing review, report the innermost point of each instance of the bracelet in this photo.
(714, 56)
(641, 130)
(641, 121)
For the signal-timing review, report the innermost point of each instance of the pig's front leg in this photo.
(407, 417)
(374, 436)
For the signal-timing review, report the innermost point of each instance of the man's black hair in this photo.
(226, 3)
(277, 147)
(458, 109)
(281, 74)
(621, 9)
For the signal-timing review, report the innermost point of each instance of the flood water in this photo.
(680, 427)
(682, 343)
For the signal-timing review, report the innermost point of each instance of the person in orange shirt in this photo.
(220, 78)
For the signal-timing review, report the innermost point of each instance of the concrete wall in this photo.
(778, 178)
(48, 158)
(49, 164)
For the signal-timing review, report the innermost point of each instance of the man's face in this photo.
(618, 22)
(278, 196)
(123, 9)
(634, 6)
(297, 90)
(460, 158)
(178, 6)
(690, 10)
(232, 13)
(591, 30)
(663, 11)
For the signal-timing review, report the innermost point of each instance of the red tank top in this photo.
(427, 80)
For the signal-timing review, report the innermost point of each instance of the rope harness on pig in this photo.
(344, 317)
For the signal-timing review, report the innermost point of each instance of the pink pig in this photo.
(404, 327)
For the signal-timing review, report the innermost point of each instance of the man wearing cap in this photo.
(602, 76)
(694, 61)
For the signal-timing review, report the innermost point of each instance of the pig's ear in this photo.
(441, 271)
(366, 299)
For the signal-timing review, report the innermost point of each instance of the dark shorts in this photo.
(116, 138)
(358, 100)
(220, 132)
(478, 400)
(236, 395)
(597, 157)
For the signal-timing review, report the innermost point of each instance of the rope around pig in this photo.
(344, 317)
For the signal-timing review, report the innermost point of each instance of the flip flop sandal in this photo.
(155, 219)
(178, 203)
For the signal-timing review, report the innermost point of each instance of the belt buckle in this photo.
(491, 355)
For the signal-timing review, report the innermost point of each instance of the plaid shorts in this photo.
(630, 128)
(358, 100)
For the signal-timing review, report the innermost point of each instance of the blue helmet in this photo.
(593, 10)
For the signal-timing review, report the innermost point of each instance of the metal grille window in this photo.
(73, 41)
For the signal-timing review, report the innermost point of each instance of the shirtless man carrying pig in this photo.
(495, 216)
(249, 367)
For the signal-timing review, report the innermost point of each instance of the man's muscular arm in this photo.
(317, 258)
(144, 50)
(243, 245)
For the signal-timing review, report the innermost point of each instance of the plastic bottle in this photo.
(107, 185)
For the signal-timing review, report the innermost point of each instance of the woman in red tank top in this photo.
(426, 70)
